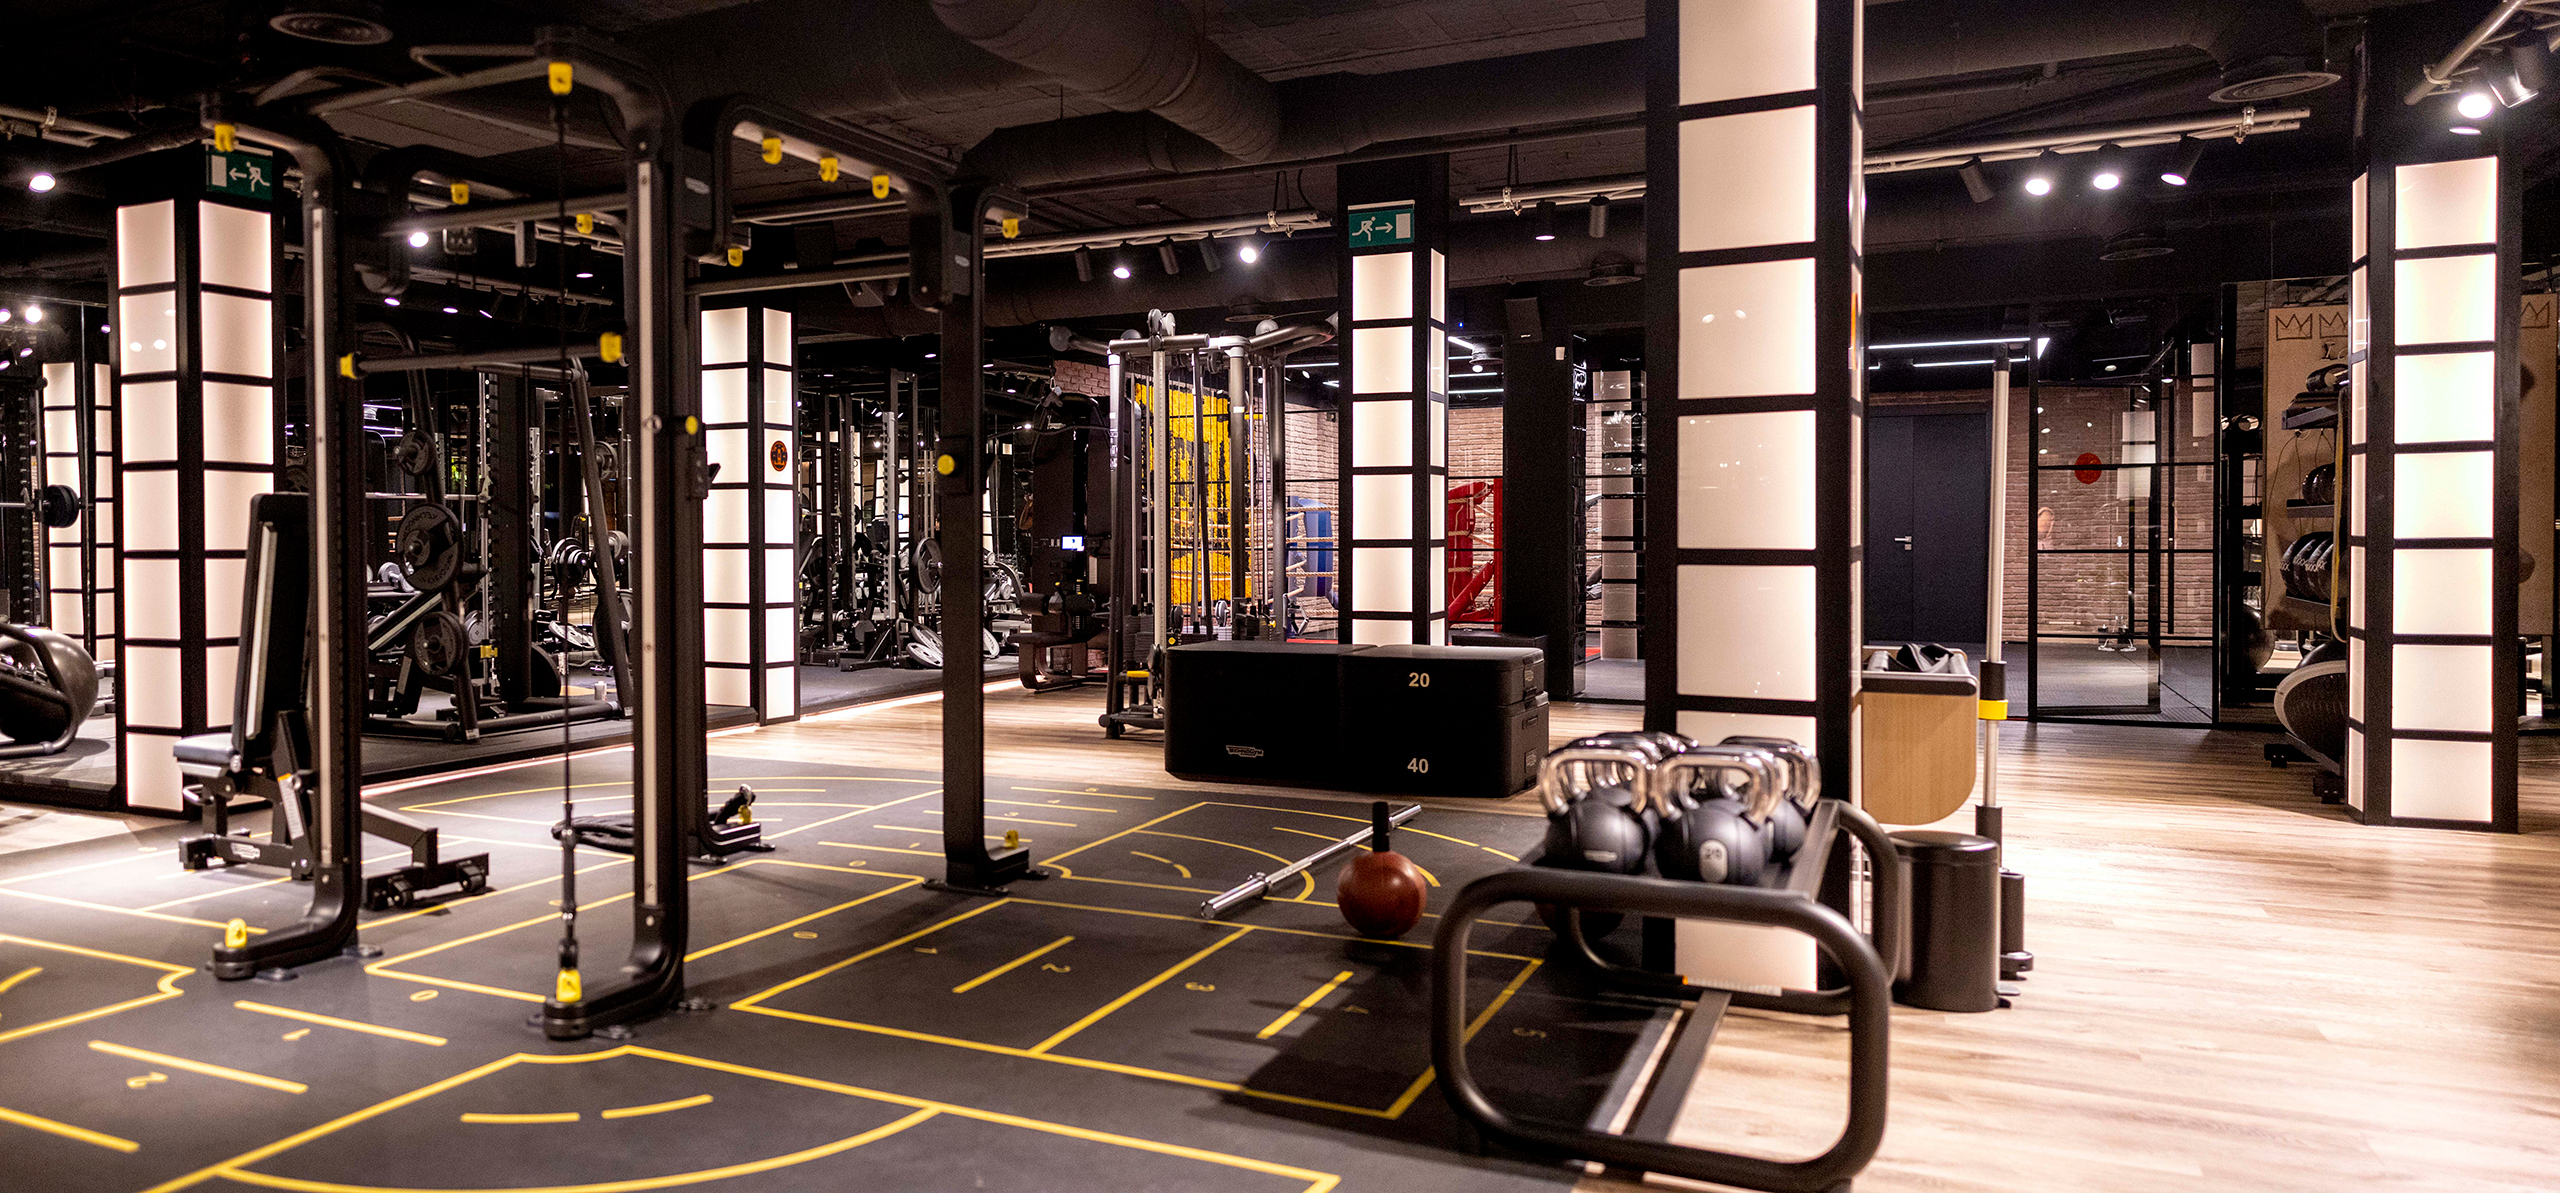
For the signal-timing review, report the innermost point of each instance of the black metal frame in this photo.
(335, 713)
(1866, 1000)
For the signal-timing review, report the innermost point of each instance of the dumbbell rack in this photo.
(1866, 964)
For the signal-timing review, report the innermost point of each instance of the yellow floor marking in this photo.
(234, 1168)
(148, 915)
(1403, 1103)
(38, 1122)
(881, 848)
(165, 1060)
(698, 954)
(541, 824)
(20, 976)
(657, 1107)
(856, 812)
(654, 1182)
(565, 1116)
(1153, 886)
(1022, 819)
(297, 1033)
(388, 1033)
(1060, 857)
(1402, 828)
(1193, 919)
(1303, 876)
(168, 989)
(1064, 791)
(1107, 1009)
(1185, 870)
(1291, 1015)
(874, 951)
(1009, 966)
(1032, 803)
(1427, 876)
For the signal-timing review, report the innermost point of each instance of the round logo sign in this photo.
(2085, 469)
(781, 456)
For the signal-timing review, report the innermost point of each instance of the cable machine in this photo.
(1198, 445)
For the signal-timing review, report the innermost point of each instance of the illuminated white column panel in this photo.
(751, 521)
(1751, 558)
(80, 558)
(191, 431)
(1394, 426)
(2431, 498)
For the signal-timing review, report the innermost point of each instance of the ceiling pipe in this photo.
(1940, 38)
(1133, 56)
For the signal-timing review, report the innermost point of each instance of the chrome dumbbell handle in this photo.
(1552, 768)
(1761, 782)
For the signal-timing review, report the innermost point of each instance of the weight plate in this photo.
(61, 506)
(412, 454)
(430, 546)
(436, 644)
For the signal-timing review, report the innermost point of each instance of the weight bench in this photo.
(266, 753)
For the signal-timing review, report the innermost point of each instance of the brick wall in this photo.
(2086, 593)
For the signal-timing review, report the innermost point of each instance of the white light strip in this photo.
(2041, 341)
(1946, 364)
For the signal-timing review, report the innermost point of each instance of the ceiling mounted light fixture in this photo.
(1599, 217)
(1120, 270)
(340, 23)
(1164, 256)
(1976, 183)
(1545, 226)
(1084, 264)
(2108, 174)
(1209, 254)
(2474, 105)
(2522, 73)
(41, 183)
(2040, 176)
(417, 240)
(2182, 164)
(1249, 253)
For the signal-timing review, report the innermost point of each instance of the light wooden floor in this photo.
(2235, 987)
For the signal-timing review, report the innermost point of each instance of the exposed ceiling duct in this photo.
(1956, 37)
(1134, 56)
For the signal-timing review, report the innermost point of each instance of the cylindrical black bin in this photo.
(1952, 962)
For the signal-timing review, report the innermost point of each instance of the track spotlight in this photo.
(1976, 183)
(1209, 254)
(1084, 265)
(2474, 105)
(2109, 172)
(1120, 270)
(1249, 254)
(2521, 73)
(41, 183)
(1546, 220)
(2040, 176)
(2182, 163)
(417, 240)
(35, 314)
(1164, 255)
(1599, 217)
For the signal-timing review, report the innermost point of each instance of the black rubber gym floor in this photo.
(1088, 1033)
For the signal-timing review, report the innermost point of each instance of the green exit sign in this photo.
(1381, 225)
(242, 172)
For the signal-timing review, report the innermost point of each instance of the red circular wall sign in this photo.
(2086, 468)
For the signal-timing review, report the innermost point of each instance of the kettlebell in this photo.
(1713, 840)
(1605, 830)
(1793, 815)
